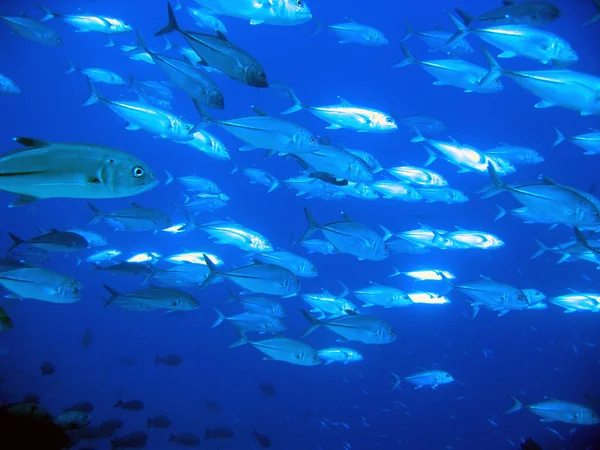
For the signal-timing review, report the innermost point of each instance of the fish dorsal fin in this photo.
(346, 217)
(344, 102)
(349, 312)
(258, 111)
(507, 2)
(53, 230)
(257, 261)
(595, 130)
(483, 277)
(549, 181)
(459, 228)
(222, 36)
(31, 142)
(375, 283)
(135, 205)
(454, 141)
(349, 19)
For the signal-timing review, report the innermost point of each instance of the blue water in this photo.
(533, 353)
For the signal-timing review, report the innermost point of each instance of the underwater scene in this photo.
(290, 224)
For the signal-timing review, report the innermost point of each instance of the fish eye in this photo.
(315, 357)
(520, 297)
(314, 269)
(299, 3)
(138, 172)
(389, 120)
(392, 333)
(447, 375)
(297, 281)
(368, 169)
(263, 76)
(297, 356)
(596, 213)
(312, 140)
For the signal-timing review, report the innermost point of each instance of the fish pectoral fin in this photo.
(333, 126)
(255, 22)
(545, 104)
(507, 55)
(31, 142)
(344, 102)
(440, 83)
(23, 200)
(131, 126)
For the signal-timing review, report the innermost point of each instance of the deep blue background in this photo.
(535, 353)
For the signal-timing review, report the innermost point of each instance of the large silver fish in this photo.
(64, 170)
(139, 115)
(556, 202)
(350, 237)
(283, 349)
(258, 278)
(32, 29)
(526, 12)
(134, 218)
(218, 52)
(355, 327)
(188, 78)
(274, 12)
(357, 33)
(455, 72)
(41, 284)
(152, 298)
(88, 23)
(559, 411)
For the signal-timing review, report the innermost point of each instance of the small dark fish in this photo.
(169, 360)
(95, 432)
(211, 406)
(31, 398)
(86, 339)
(72, 420)
(136, 439)
(112, 424)
(218, 433)
(328, 178)
(262, 439)
(267, 388)
(127, 360)
(85, 407)
(187, 439)
(131, 405)
(159, 421)
(47, 368)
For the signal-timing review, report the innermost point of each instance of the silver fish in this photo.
(41, 284)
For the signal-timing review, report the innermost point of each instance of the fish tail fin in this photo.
(314, 323)
(220, 318)
(409, 31)
(498, 183)
(95, 95)
(205, 118)
(72, 68)
(396, 272)
(79, 261)
(169, 177)
(396, 382)
(273, 186)
(460, 32)
(214, 272)
(48, 14)
(408, 57)
(541, 249)
(495, 71)
(168, 44)
(242, 341)
(320, 27)
(419, 136)
(466, 18)
(172, 25)
(98, 215)
(313, 225)
(447, 282)
(114, 294)
(233, 297)
(140, 40)
(16, 242)
(109, 41)
(559, 137)
(345, 290)
(516, 407)
(581, 238)
(297, 103)
(501, 212)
